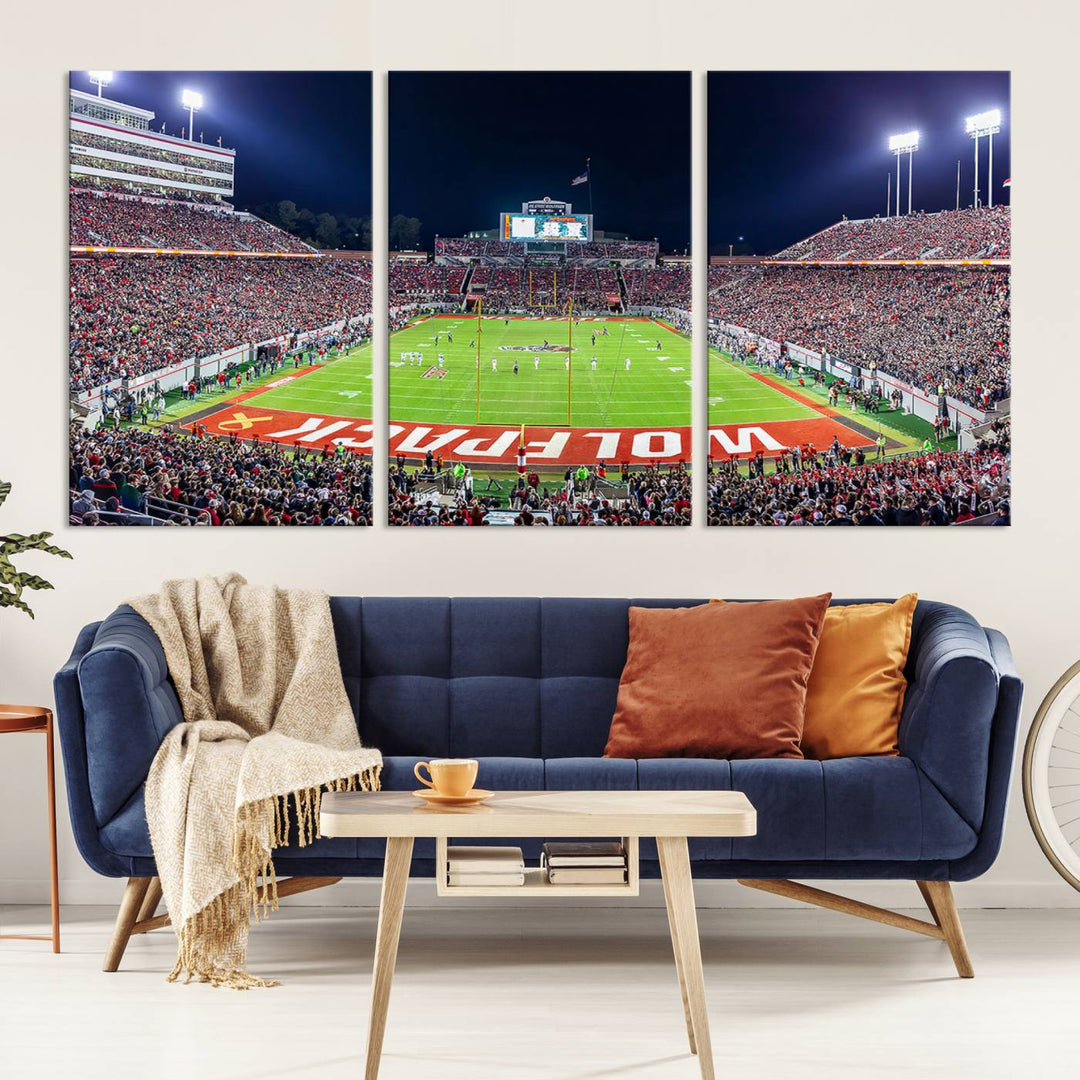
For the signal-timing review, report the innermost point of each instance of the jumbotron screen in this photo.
(546, 227)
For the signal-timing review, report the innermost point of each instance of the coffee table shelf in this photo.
(536, 882)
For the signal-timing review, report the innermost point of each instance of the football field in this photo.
(736, 397)
(653, 392)
(341, 387)
(754, 409)
(306, 406)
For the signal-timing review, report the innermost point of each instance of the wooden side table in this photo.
(33, 718)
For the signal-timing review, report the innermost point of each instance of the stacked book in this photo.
(592, 863)
(485, 866)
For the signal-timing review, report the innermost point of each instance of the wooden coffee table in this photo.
(669, 816)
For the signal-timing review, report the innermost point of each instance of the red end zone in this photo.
(492, 444)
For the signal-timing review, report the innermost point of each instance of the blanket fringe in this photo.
(213, 942)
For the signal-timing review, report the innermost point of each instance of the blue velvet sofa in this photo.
(528, 686)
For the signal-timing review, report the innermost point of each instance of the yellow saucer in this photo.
(470, 798)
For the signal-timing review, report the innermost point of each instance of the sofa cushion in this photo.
(848, 809)
(856, 691)
(720, 681)
(468, 677)
(687, 774)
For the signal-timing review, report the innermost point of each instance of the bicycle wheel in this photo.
(1052, 776)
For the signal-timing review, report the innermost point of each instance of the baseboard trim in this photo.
(364, 893)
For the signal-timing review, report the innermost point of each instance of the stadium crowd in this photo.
(619, 249)
(409, 278)
(218, 481)
(950, 234)
(137, 314)
(470, 248)
(504, 289)
(931, 327)
(110, 221)
(655, 496)
(936, 487)
(466, 247)
(220, 163)
(150, 172)
(110, 184)
(665, 286)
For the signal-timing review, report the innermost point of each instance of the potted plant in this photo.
(12, 580)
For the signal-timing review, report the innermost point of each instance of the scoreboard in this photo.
(572, 227)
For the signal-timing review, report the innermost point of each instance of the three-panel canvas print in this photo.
(540, 338)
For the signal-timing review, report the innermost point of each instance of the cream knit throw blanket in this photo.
(267, 724)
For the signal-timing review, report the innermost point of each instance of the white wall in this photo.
(1022, 580)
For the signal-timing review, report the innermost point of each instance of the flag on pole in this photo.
(582, 179)
(522, 460)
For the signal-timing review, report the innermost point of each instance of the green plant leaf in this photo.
(12, 580)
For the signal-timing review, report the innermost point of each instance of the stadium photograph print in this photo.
(539, 298)
(858, 298)
(220, 298)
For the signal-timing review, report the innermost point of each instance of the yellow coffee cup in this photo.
(448, 776)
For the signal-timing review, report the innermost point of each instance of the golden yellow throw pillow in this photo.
(856, 690)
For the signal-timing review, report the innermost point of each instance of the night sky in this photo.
(467, 146)
(304, 136)
(792, 152)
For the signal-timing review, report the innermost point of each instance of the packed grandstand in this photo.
(981, 233)
(909, 317)
(506, 280)
(928, 326)
(175, 293)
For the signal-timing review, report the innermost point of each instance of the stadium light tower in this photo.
(191, 100)
(100, 79)
(907, 143)
(989, 124)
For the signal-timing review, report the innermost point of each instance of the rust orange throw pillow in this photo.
(718, 680)
(856, 691)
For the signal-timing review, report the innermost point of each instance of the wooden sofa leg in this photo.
(937, 894)
(149, 906)
(939, 899)
(134, 894)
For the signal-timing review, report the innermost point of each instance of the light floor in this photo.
(560, 993)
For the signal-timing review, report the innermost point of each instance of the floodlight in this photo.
(989, 124)
(100, 79)
(984, 123)
(191, 100)
(907, 143)
(904, 144)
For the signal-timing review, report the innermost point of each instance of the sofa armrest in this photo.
(950, 704)
(1003, 743)
(69, 726)
(128, 704)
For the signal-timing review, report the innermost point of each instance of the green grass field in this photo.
(340, 388)
(654, 392)
(737, 398)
